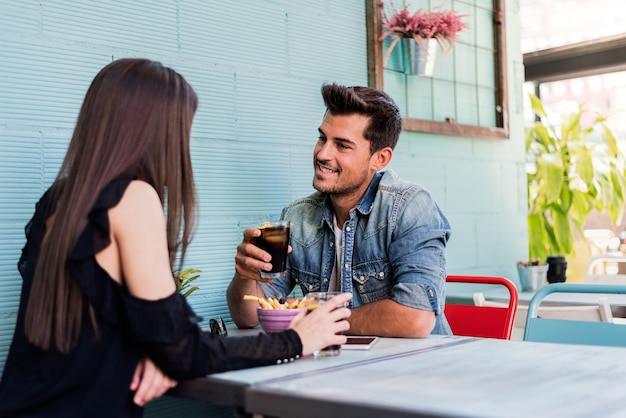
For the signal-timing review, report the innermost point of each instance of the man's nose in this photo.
(324, 151)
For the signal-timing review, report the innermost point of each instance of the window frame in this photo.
(375, 75)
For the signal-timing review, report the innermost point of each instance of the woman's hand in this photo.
(149, 382)
(323, 326)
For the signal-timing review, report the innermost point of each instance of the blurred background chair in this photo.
(608, 263)
(606, 269)
(595, 313)
(483, 321)
(575, 327)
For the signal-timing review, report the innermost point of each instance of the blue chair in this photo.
(570, 331)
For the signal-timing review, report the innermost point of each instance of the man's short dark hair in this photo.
(385, 120)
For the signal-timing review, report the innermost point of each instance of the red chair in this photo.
(482, 321)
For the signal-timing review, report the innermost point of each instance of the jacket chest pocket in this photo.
(308, 282)
(372, 281)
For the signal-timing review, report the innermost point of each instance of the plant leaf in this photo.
(579, 209)
(184, 278)
(563, 234)
(550, 172)
(537, 106)
(190, 291)
(582, 162)
(536, 229)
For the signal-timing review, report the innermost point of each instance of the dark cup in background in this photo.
(557, 266)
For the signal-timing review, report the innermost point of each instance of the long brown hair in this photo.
(135, 120)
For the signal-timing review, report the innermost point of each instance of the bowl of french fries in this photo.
(275, 316)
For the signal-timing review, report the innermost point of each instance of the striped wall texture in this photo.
(257, 66)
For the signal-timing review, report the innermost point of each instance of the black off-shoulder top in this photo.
(93, 379)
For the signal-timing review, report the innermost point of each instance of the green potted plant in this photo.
(571, 171)
(184, 279)
(421, 32)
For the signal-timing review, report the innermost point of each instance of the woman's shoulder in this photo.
(139, 203)
(128, 193)
(140, 191)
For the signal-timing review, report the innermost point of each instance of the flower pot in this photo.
(419, 59)
(532, 277)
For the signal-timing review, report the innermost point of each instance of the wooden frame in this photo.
(582, 59)
(375, 72)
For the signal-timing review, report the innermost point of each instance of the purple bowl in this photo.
(276, 320)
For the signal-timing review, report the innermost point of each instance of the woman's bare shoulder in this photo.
(140, 205)
(141, 191)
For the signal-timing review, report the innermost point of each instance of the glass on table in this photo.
(313, 301)
(275, 240)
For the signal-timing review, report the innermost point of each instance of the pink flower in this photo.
(443, 26)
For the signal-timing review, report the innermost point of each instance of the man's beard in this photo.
(339, 189)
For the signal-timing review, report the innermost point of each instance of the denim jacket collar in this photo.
(364, 206)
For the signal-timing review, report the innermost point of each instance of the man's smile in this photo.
(325, 169)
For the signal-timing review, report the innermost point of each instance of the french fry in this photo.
(261, 301)
(292, 304)
(265, 304)
(273, 303)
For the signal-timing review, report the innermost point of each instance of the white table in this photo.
(437, 376)
(229, 388)
(483, 378)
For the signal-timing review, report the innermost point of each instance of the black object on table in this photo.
(557, 267)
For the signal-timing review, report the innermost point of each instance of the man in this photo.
(364, 231)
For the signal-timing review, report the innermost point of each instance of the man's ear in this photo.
(381, 158)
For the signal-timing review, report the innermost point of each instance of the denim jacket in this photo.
(394, 247)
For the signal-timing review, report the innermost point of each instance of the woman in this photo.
(99, 306)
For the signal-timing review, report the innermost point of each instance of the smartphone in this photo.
(359, 343)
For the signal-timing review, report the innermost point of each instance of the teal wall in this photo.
(257, 66)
